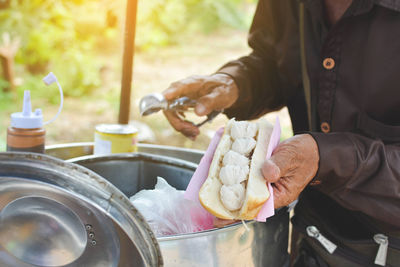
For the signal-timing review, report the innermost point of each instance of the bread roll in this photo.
(235, 187)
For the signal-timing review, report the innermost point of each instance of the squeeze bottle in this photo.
(26, 132)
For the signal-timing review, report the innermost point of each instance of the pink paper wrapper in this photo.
(201, 173)
(205, 219)
(267, 209)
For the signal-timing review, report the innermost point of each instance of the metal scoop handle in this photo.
(155, 102)
(210, 117)
(184, 103)
(181, 104)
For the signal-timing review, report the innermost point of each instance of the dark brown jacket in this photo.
(353, 98)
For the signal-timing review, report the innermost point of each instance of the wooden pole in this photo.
(7, 64)
(127, 61)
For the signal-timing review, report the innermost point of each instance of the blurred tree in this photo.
(8, 49)
(4, 3)
(77, 38)
(48, 34)
(112, 19)
(163, 22)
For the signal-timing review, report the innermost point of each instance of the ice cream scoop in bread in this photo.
(235, 187)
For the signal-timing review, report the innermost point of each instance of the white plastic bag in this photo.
(167, 212)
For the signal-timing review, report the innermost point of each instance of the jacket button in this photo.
(328, 63)
(325, 127)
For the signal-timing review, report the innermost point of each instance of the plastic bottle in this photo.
(26, 132)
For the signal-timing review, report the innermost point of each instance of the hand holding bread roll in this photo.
(235, 187)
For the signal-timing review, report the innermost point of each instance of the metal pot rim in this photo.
(135, 155)
(122, 211)
(231, 227)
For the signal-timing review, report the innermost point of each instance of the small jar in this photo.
(28, 140)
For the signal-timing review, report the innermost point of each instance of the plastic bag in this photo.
(168, 213)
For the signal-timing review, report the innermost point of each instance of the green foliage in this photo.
(75, 39)
(78, 71)
(163, 22)
(50, 42)
(2, 145)
(3, 85)
(6, 98)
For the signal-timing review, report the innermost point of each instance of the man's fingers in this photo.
(282, 158)
(214, 92)
(219, 98)
(280, 195)
(271, 171)
(278, 192)
(185, 87)
(185, 127)
(206, 104)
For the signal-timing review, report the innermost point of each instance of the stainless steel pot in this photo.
(264, 244)
(54, 213)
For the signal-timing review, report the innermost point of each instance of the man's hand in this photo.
(291, 167)
(214, 92)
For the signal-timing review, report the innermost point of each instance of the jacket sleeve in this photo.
(361, 174)
(268, 76)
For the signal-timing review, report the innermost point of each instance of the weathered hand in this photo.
(213, 92)
(291, 167)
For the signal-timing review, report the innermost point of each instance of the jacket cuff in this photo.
(337, 160)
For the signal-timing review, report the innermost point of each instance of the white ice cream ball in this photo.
(234, 158)
(233, 174)
(226, 140)
(232, 196)
(244, 145)
(242, 129)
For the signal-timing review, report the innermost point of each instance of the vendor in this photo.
(335, 65)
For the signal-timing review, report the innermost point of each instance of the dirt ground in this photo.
(153, 72)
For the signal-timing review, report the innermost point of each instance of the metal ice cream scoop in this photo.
(155, 102)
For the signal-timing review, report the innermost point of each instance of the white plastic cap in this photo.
(49, 79)
(27, 119)
(30, 120)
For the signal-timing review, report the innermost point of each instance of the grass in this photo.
(154, 70)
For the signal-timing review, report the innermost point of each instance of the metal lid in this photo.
(54, 213)
(116, 128)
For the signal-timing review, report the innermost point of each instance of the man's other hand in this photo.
(213, 92)
(293, 164)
